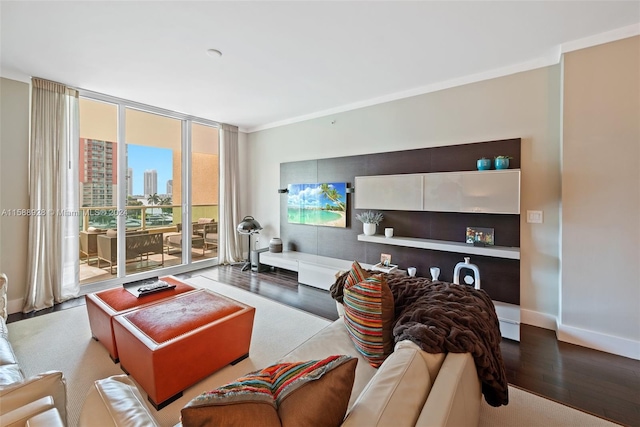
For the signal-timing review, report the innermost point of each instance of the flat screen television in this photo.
(322, 204)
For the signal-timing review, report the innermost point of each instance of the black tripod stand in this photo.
(247, 264)
(248, 226)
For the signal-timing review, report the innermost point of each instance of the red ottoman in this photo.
(172, 345)
(102, 306)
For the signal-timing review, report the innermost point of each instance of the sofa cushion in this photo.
(50, 383)
(50, 418)
(10, 373)
(433, 360)
(369, 316)
(320, 403)
(396, 393)
(19, 416)
(455, 396)
(310, 393)
(334, 339)
(115, 401)
(7, 357)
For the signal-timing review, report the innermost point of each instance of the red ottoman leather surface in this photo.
(170, 346)
(102, 306)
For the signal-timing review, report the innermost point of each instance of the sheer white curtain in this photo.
(53, 262)
(229, 245)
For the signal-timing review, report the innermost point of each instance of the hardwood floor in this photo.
(600, 383)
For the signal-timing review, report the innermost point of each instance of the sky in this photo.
(142, 158)
(310, 195)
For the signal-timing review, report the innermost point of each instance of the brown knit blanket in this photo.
(443, 317)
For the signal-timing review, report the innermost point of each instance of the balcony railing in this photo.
(142, 217)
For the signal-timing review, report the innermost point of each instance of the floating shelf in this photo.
(445, 246)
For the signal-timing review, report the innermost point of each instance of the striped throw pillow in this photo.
(356, 275)
(369, 316)
(310, 393)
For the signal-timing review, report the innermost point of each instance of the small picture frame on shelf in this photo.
(385, 260)
(480, 236)
(384, 268)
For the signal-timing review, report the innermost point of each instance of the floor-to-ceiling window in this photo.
(204, 183)
(148, 191)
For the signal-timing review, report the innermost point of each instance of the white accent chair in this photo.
(40, 400)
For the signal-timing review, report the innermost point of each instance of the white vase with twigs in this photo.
(370, 220)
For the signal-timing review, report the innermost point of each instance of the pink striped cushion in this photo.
(369, 316)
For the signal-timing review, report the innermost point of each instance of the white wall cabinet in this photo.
(495, 192)
(389, 192)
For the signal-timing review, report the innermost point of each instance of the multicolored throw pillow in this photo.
(312, 393)
(369, 316)
(356, 275)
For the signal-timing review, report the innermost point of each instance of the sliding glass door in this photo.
(153, 157)
(148, 191)
(204, 184)
(97, 188)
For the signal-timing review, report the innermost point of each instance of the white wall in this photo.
(600, 296)
(525, 105)
(14, 190)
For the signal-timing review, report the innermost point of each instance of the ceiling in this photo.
(286, 61)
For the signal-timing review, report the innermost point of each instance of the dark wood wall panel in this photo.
(499, 277)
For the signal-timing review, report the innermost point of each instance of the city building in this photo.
(97, 174)
(150, 182)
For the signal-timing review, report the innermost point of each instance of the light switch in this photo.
(534, 217)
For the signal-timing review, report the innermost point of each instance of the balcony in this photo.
(163, 219)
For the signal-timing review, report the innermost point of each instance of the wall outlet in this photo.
(534, 217)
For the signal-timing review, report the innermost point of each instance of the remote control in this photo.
(153, 287)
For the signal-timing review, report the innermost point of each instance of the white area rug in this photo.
(62, 341)
(527, 409)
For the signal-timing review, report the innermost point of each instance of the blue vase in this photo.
(483, 164)
(502, 163)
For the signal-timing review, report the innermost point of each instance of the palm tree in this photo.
(134, 212)
(153, 199)
(332, 194)
(166, 201)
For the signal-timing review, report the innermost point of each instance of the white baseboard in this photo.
(595, 340)
(539, 319)
(598, 341)
(15, 305)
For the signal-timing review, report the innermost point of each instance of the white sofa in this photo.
(40, 400)
(411, 388)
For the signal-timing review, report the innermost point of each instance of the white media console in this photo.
(320, 272)
(313, 270)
